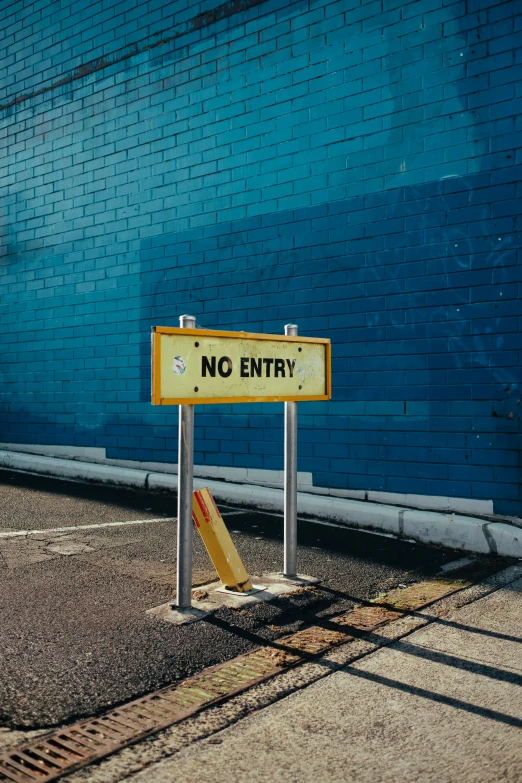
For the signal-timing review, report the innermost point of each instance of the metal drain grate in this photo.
(410, 598)
(65, 750)
(61, 752)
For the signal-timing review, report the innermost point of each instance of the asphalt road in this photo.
(76, 638)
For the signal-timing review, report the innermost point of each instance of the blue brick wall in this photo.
(352, 167)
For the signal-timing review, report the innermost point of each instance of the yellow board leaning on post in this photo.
(220, 546)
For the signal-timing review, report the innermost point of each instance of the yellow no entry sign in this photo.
(191, 366)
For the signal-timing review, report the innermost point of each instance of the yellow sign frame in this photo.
(156, 366)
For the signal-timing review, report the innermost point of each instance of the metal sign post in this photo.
(290, 491)
(185, 486)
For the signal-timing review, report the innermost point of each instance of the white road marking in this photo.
(20, 533)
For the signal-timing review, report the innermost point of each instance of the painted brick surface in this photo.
(351, 167)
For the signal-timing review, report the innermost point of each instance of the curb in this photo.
(429, 527)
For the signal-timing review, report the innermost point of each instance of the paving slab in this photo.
(490, 628)
(443, 704)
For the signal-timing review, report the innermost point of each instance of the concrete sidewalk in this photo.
(442, 704)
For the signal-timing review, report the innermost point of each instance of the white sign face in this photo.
(191, 366)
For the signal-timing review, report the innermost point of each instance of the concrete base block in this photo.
(209, 598)
(427, 526)
(451, 530)
(241, 593)
(173, 614)
(506, 539)
(71, 469)
(355, 513)
(256, 476)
